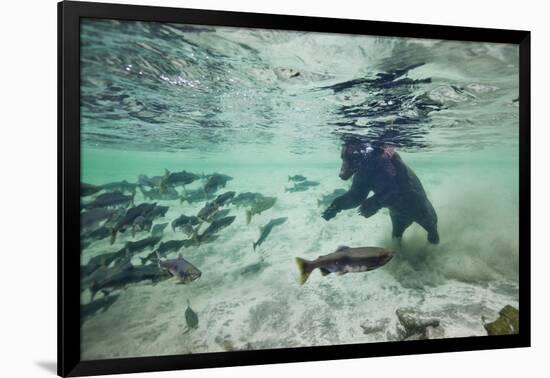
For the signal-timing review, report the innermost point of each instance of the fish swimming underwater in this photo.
(99, 261)
(209, 234)
(151, 182)
(215, 182)
(254, 268)
(207, 211)
(224, 198)
(302, 186)
(98, 234)
(158, 212)
(296, 188)
(219, 214)
(88, 189)
(109, 199)
(141, 223)
(191, 317)
(345, 260)
(308, 183)
(167, 194)
(96, 306)
(246, 199)
(180, 268)
(121, 186)
(297, 178)
(266, 230)
(327, 199)
(260, 205)
(144, 222)
(126, 274)
(176, 179)
(158, 229)
(138, 246)
(197, 195)
(92, 219)
(165, 248)
(185, 223)
(128, 219)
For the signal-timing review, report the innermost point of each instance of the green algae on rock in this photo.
(506, 324)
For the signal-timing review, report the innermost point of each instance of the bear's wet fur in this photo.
(395, 186)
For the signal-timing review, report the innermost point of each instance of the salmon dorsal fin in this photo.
(341, 248)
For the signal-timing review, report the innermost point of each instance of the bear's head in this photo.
(353, 157)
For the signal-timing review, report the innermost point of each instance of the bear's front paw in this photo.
(368, 208)
(329, 213)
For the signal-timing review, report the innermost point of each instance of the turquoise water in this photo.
(261, 105)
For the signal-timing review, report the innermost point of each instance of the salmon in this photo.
(345, 260)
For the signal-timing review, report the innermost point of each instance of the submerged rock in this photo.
(506, 324)
(370, 327)
(434, 333)
(414, 325)
(226, 343)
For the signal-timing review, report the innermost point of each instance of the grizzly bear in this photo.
(395, 186)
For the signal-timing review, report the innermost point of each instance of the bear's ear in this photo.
(388, 151)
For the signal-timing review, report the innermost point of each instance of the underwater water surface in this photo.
(259, 106)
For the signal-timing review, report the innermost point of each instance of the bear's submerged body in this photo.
(394, 185)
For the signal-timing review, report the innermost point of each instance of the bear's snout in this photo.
(345, 172)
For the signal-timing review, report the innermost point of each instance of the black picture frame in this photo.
(69, 15)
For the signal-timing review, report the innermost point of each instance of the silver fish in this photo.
(345, 260)
(266, 230)
(180, 268)
(191, 317)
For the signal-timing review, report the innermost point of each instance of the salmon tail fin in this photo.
(94, 288)
(162, 183)
(303, 268)
(254, 245)
(113, 236)
(288, 178)
(195, 235)
(142, 191)
(132, 200)
(248, 216)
